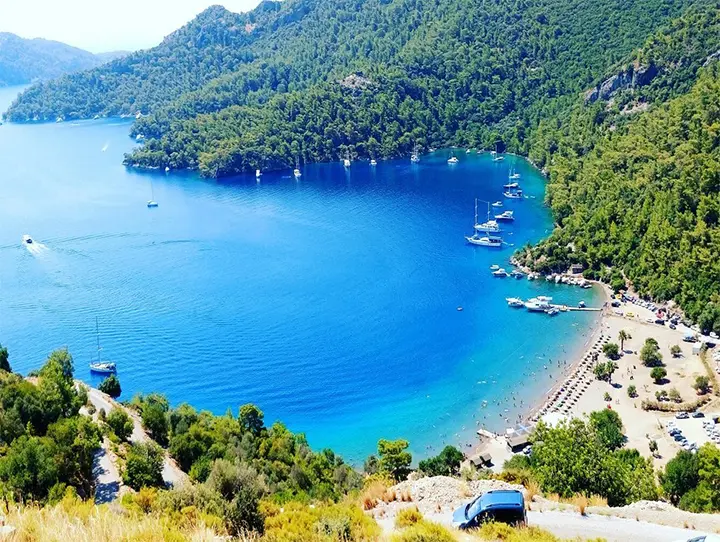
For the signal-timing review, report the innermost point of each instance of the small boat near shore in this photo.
(101, 366)
(453, 160)
(505, 215)
(500, 273)
(515, 302)
(494, 267)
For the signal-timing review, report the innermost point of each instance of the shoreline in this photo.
(547, 400)
(596, 337)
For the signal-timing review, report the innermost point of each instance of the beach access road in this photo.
(613, 529)
(172, 475)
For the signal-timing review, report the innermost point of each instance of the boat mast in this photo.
(97, 334)
(475, 212)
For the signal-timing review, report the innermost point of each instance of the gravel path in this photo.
(172, 475)
(612, 529)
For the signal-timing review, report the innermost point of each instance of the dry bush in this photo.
(532, 489)
(407, 517)
(581, 501)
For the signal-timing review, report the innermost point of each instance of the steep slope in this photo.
(635, 177)
(480, 71)
(213, 43)
(450, 72)
(23, 61)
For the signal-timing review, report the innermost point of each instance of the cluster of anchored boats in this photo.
(487, 234)
(540, 303)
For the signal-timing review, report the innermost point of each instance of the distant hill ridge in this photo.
(23, 60)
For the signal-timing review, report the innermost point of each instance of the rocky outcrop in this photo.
(711, 58)
(632, 77)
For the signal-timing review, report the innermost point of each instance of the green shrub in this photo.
(407, 517)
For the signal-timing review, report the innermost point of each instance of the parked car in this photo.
(702, 538)
(673, 326)
(682, 415)
(501, 505)
(698, 415)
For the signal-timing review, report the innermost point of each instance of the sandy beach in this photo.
(578, 393)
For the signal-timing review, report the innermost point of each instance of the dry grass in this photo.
(581, 501)
(597, 500)
(712, 376)
(377, 490)
(532, 489)
(75, 521)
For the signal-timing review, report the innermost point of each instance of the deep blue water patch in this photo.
(330, 301)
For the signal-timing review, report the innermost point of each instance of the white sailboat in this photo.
(151, 202)
(257, 174)
(415, 157)
(488, 225)
(296, 172)
(453, 160)
(484, 240)
(513, 174)
(373, 162)
(497, 157)
(346, 162)
(100, 366)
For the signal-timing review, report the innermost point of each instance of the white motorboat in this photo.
(514, 175)
(485, 240)
(453, 160)
(552, 312)
(27, 239)
(511, 185)
(497, 204)
(257, 173)
(513, 194)
(505, 215)
(494, 267)
(515, 302)
(152, 204)
(297, 173)
(489, 226)
(536, 304)
(500, 273)
(373, 162)
(346, 161)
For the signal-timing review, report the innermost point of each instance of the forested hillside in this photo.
(477, 71)
(24, 61)
(634, 179)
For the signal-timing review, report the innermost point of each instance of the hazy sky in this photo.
(103, 25)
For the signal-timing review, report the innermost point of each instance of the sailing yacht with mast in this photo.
(415, 157)
(151, 202)
(346, 162)
(98, 365)
(296, 172)
(486, 240)
(488, 225)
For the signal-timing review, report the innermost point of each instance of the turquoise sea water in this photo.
(330, 301)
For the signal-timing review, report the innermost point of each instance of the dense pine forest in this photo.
(634, 178)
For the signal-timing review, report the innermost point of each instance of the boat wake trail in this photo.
(36, 249)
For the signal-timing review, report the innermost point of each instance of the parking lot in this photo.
(691, 433)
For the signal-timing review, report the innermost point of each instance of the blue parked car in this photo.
(501, 505)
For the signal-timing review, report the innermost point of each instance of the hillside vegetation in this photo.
(433, 73)
(634, 181)
(23, 61)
